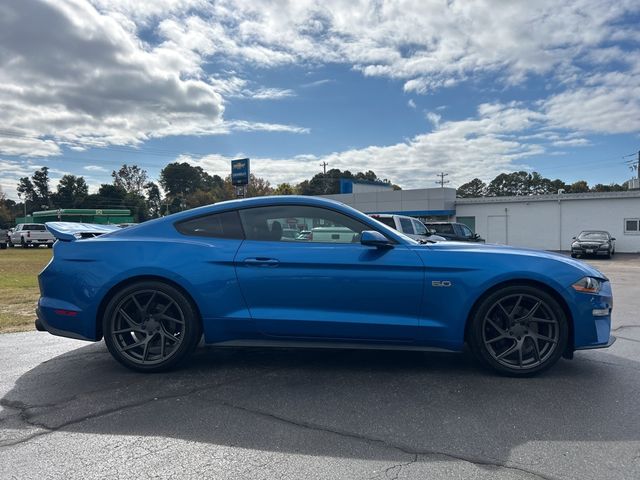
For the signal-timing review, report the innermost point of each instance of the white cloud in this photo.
(411, 103)
(95, 168)
(434, 118)
(70, 74)
(476, 147)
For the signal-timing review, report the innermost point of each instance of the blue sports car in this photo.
(227, 271)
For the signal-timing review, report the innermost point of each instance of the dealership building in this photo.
(538, 221)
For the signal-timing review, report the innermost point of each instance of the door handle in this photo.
(261, 262)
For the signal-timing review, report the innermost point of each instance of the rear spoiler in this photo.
(71, 231)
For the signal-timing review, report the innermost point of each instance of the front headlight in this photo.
(604, 246)
(587, 285)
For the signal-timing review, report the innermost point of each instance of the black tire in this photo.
(23, 244)
(507, 325)
(49, 245)
(573, 255)
(3, 246)
(11, 245)
(137, 324)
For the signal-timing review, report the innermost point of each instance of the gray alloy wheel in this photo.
(150, 326)
(519, 331)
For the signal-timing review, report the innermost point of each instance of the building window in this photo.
(632, 225)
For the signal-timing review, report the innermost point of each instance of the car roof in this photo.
(159, 225)
(594, 231)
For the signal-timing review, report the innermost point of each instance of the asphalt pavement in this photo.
(67, 410)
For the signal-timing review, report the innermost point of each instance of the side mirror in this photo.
(371, 238)
(573, 238)
(613, 238)
(476, 236)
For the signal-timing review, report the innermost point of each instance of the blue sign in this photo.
(240, 171)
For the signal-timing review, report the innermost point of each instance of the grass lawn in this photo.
(19, 268)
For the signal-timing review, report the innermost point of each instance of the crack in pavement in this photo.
(622, 327)
(23, 409)
(398, 466)
(414, 453)
(628, 339)
(495, 463)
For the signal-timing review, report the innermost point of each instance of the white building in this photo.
(542, 221)
(550, 221)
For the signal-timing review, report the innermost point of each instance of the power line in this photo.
(442, 182)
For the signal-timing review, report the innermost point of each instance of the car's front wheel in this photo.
(151, 326)
(519, 330)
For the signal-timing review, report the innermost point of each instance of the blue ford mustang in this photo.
(239, 273)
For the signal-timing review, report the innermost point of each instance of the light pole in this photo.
(560, 192)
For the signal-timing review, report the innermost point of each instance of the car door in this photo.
(326, 287)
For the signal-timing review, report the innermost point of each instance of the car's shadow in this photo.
(355, 404)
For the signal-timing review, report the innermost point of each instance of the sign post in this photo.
(240, 176)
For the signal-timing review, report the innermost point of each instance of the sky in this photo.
(407, 89)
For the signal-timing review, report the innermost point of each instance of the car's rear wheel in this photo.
(519, 331)
(151, 326)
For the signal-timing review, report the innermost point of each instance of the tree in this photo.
(154, 199)
(72, 191)
(557, 185)
(509, 184)
(474, 188)
(6, 218)
(579, 187)
(612, 187)
(26, 190)
(200, 198)
(284, 189)
(321, 184)
(131, 178)
(40, 181)
(258, 187)
(180, 179)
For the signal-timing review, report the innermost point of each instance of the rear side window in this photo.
(420, 228)
(217, 225)
(388, 221)
(442, 227)
(407, 226)
(35, 228)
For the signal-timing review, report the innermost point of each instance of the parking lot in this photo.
(69, 411)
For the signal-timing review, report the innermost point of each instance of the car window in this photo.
(466, 231)
(442, 228)
(324, 225)
(593, 236)
(407, 226)
(420, 228)
(217, 225)
(388, 221)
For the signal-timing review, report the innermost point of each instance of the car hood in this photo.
(529, 254)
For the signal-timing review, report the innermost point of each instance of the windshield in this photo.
(593, 236)
(395, 232)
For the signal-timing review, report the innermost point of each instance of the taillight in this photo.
(311, 236)
(28, 233)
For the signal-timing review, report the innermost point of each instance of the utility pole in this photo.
(324, 176)
(442, 181)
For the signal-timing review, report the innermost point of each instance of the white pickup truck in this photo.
(30, 235)
(411, 227)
